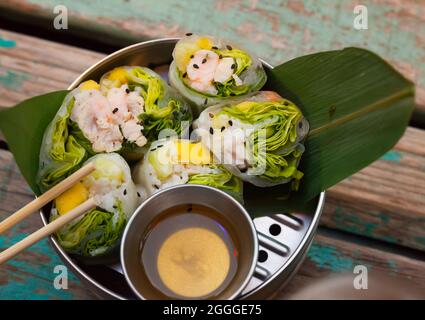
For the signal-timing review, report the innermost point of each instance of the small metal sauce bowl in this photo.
(232, 212)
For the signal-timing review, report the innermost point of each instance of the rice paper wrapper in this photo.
(248, 68)
(236, 142)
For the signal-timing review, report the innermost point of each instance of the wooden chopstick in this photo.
(46, 197)
(46, 230)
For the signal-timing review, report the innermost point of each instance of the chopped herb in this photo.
(229, 47)
(211, 130)
(195, 66)
(286, 103)
(115, 110)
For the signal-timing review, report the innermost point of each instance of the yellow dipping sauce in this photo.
(189, 253)
(193, 262)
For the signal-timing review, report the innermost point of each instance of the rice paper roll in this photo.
(99, 230)
(171, 162)
(208, 71)
(123, 113)
(259, 139)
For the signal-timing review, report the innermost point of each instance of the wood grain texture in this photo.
(31, 274)
(329, 257)
(386, 200)
(275, 30)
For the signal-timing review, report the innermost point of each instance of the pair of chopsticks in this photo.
(37, 204)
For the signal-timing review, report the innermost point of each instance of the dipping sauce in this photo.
(189, 253)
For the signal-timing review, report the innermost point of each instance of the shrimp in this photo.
(206, 67)
(92, 113)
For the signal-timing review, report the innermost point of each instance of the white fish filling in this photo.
(100, 118)
(205, 68)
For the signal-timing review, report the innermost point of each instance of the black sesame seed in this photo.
(189, 209)
(159, 146)
(233, 66)
(189, 34)
(156, 187)
(300, 124)
(153, 149)
(125, 192)
(204, 60)
(214, 48)
(115, 207)
(220, 56)
(191, 56)
(115, 110)
(184, 75)
(223, 128)
(243, 170)
(211, 115)
(232, 94)
(229, 47)
(138, 194)
(230, 123)
(286, 103)
(196, 66)
(206, 101)
(211, 130)
(127, 90)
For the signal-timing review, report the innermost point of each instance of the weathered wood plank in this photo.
(329, 257)
(30, 66)
(385, 201)
(275, 30)
(31, 274)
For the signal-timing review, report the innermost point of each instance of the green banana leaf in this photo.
(23, 126)
(357, 105)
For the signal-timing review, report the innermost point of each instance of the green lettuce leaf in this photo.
(66, 153)
(275, 145)
(97, 233)
(224, 181)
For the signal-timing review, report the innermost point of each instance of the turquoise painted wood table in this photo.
(375, 218)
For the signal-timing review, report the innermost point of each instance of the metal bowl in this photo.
(283, 238)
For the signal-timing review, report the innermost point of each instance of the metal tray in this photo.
(283, 238)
